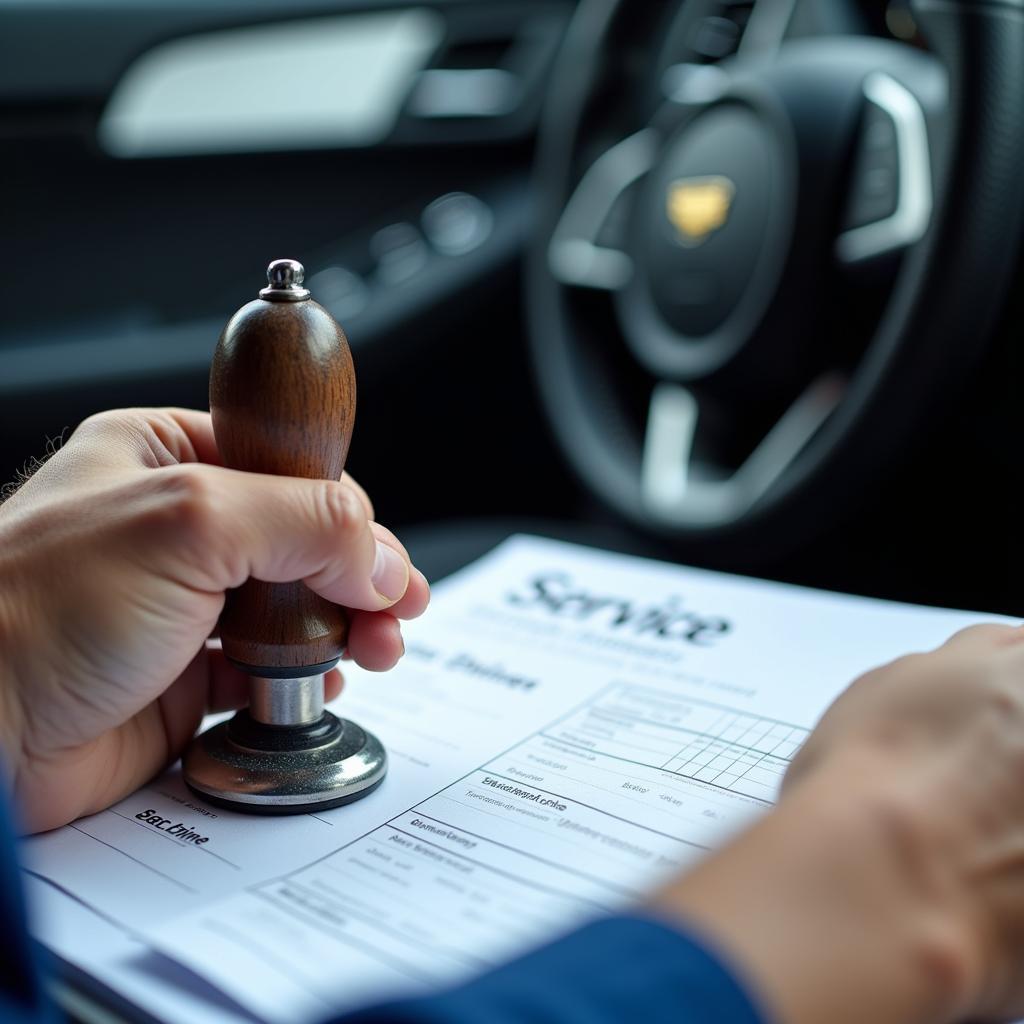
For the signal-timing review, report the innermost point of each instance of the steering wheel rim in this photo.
(948, 290)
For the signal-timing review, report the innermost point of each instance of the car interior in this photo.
(731, 283)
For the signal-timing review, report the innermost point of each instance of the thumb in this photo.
(228, 525)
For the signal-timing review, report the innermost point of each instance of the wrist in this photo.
(835, 907)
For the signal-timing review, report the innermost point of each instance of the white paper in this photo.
(568, 728)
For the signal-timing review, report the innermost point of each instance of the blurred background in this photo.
(438, 168)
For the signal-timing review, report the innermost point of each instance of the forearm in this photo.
(832, 912)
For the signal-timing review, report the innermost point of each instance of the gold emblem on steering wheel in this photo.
(697, 207)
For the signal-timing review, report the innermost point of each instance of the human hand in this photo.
(114, 560)
(888, 884)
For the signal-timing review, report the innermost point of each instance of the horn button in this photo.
(709, 235)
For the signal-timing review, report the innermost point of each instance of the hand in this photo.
(889, 883)
(114, 560)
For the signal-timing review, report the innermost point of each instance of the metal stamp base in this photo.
(253, 768)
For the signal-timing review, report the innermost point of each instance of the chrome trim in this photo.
(909, 221)
(286, 701)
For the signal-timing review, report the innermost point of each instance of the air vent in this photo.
(468, 78)
(486, 80)
(474, 53)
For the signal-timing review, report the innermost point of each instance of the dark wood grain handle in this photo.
(283, 398)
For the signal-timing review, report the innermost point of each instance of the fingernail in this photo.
(390, 576)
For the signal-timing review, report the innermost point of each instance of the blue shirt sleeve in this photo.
(22, 997)
(614, 970)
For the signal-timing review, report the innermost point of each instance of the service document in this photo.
(568, 728)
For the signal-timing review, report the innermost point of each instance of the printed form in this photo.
(568, 728)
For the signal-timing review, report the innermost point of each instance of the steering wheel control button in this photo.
(457, 223)
(874, 183)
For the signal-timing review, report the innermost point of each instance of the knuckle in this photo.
(980, 633)
(1017, 760)
(911, 671)
(913, 663)
(111, 422)
(1005, 701)
(189, 516)
(159, 430)
(188, 499)
(360, 491)
(891, 673)
(101, 421)
(132, 432)
(900, 817)
(340, 510)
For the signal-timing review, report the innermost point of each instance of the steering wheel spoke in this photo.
(668, 446)
(579, 254)
(679, 490)
(889, 206)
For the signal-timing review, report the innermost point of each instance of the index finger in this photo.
(198, 427)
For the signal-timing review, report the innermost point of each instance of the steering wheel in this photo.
(758, 280)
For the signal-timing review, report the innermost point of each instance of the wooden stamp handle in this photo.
(283, 398)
